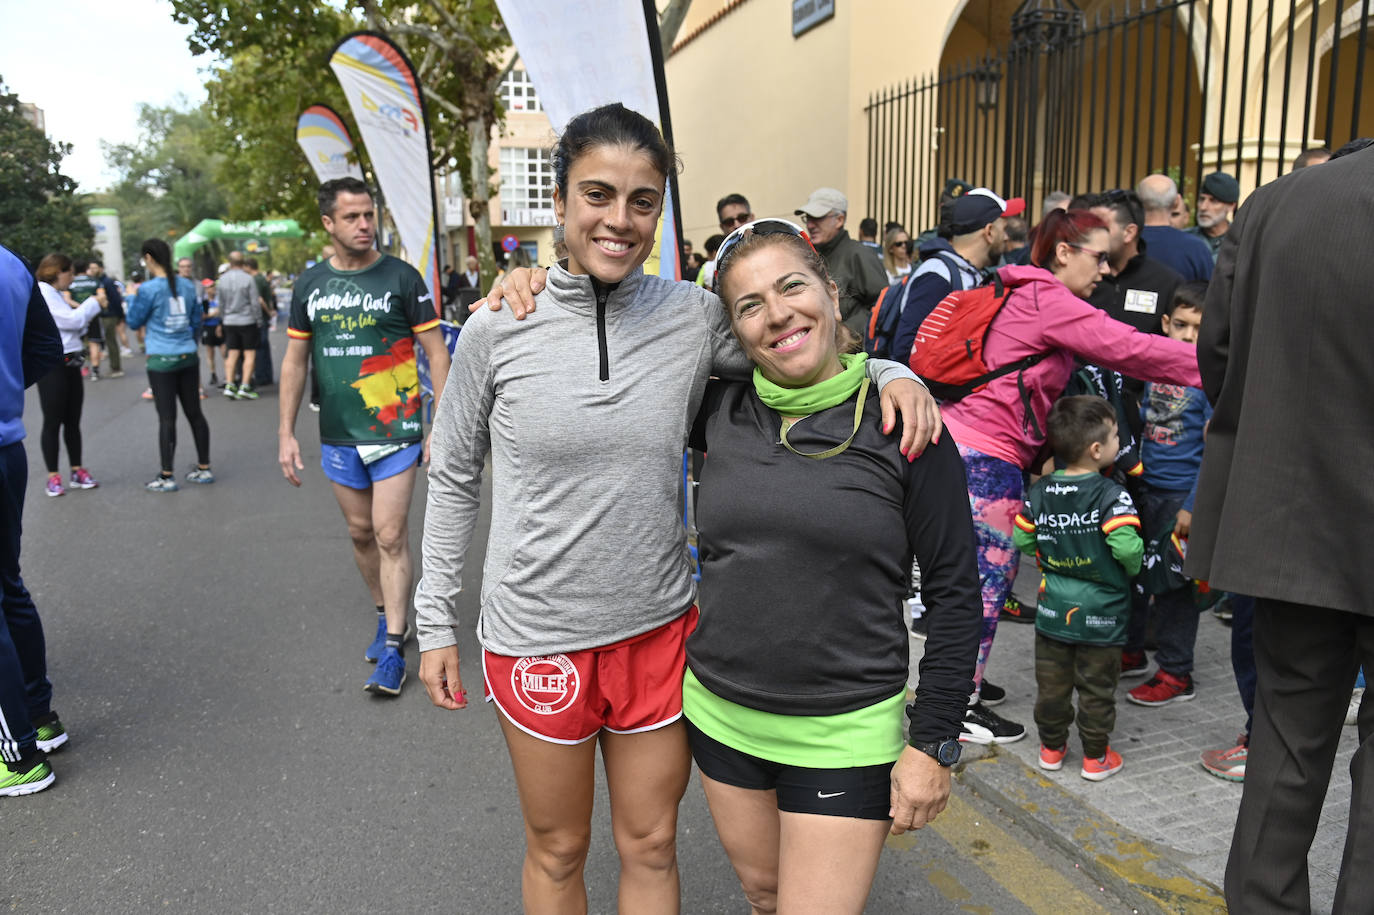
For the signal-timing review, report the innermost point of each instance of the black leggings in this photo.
(60, 394)
(168, 387)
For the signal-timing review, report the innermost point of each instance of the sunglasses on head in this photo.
(748, 230)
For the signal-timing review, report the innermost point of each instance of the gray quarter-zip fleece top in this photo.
(585, 407)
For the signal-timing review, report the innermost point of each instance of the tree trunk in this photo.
(479, 199)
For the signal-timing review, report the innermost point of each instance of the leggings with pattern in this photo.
(996, 489)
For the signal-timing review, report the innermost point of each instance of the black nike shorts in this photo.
(864, 792)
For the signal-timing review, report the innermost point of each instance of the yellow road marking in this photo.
(1009, 862)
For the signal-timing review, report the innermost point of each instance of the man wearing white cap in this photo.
(972, 235)
(853, 267)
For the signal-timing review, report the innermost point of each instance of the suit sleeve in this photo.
(1214, 337)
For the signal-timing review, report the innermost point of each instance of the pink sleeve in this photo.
(1072, 324)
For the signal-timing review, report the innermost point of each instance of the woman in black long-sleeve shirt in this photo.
(808, 519)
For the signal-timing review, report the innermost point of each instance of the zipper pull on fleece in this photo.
(603, 292)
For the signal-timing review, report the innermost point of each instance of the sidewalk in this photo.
(1159, 831)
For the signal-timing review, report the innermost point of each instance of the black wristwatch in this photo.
(945, 752)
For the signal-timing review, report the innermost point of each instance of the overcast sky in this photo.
(89, 64)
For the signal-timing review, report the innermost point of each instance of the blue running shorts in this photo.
(342, 464)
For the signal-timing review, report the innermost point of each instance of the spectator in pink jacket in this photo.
(1001, 428)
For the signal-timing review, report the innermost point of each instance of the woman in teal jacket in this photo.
(173, 329)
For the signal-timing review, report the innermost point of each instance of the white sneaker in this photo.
(1352, 715)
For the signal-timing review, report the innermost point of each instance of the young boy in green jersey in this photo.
(1083, 530)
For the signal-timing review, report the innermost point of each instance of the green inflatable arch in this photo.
(208, 230)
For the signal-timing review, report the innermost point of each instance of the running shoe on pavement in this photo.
(1052, 760)
(147, 394)
(1096, 770)
(1134, 664)
(1163, 688)
(55, 485)
(51, 734)
(28, 776)
(162, 484)
(990, 694)
(390, 674)
(1015, 611)
(82, 479)
(1229, 763)
(200, 475)
(374, 651)
(118, 374)
(983, 725)
(231, 390)
(246, 392)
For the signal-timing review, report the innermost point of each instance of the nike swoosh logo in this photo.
(823, 794)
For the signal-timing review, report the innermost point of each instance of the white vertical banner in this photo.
(384, 95)
(581, 54)
(323, 137)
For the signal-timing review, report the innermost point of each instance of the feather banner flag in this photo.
(328, 148)
(382, 91)
(581, 54)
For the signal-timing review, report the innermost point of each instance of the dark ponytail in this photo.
(158, 251)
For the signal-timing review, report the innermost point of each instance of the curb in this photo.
(1142, 872)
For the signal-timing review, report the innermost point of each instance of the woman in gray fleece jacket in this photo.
(587, 595)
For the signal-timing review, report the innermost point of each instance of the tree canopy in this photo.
(275, 62)
(40, 210)
(168, 178)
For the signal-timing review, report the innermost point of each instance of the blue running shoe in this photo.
(374, 651)
(390, 674)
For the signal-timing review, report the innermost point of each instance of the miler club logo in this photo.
(545, 685)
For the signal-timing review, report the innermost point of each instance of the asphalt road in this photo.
(206, 650)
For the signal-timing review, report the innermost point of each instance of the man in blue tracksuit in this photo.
(29, 349)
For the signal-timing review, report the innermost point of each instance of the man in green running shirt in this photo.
(358, 315)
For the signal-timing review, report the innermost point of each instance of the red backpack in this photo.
(948, 350)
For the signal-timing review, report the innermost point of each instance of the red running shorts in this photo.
(631, 686)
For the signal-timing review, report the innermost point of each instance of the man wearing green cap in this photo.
(1216, 204)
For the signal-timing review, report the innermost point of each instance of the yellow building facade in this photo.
(1125, 89)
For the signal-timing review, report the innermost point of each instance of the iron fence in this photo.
(1078, 105)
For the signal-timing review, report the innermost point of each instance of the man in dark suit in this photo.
(1283, 496)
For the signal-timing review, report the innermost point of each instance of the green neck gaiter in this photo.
(814, 398)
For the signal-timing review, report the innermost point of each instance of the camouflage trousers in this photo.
(1060, 668)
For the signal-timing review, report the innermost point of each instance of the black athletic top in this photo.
(805, 564)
